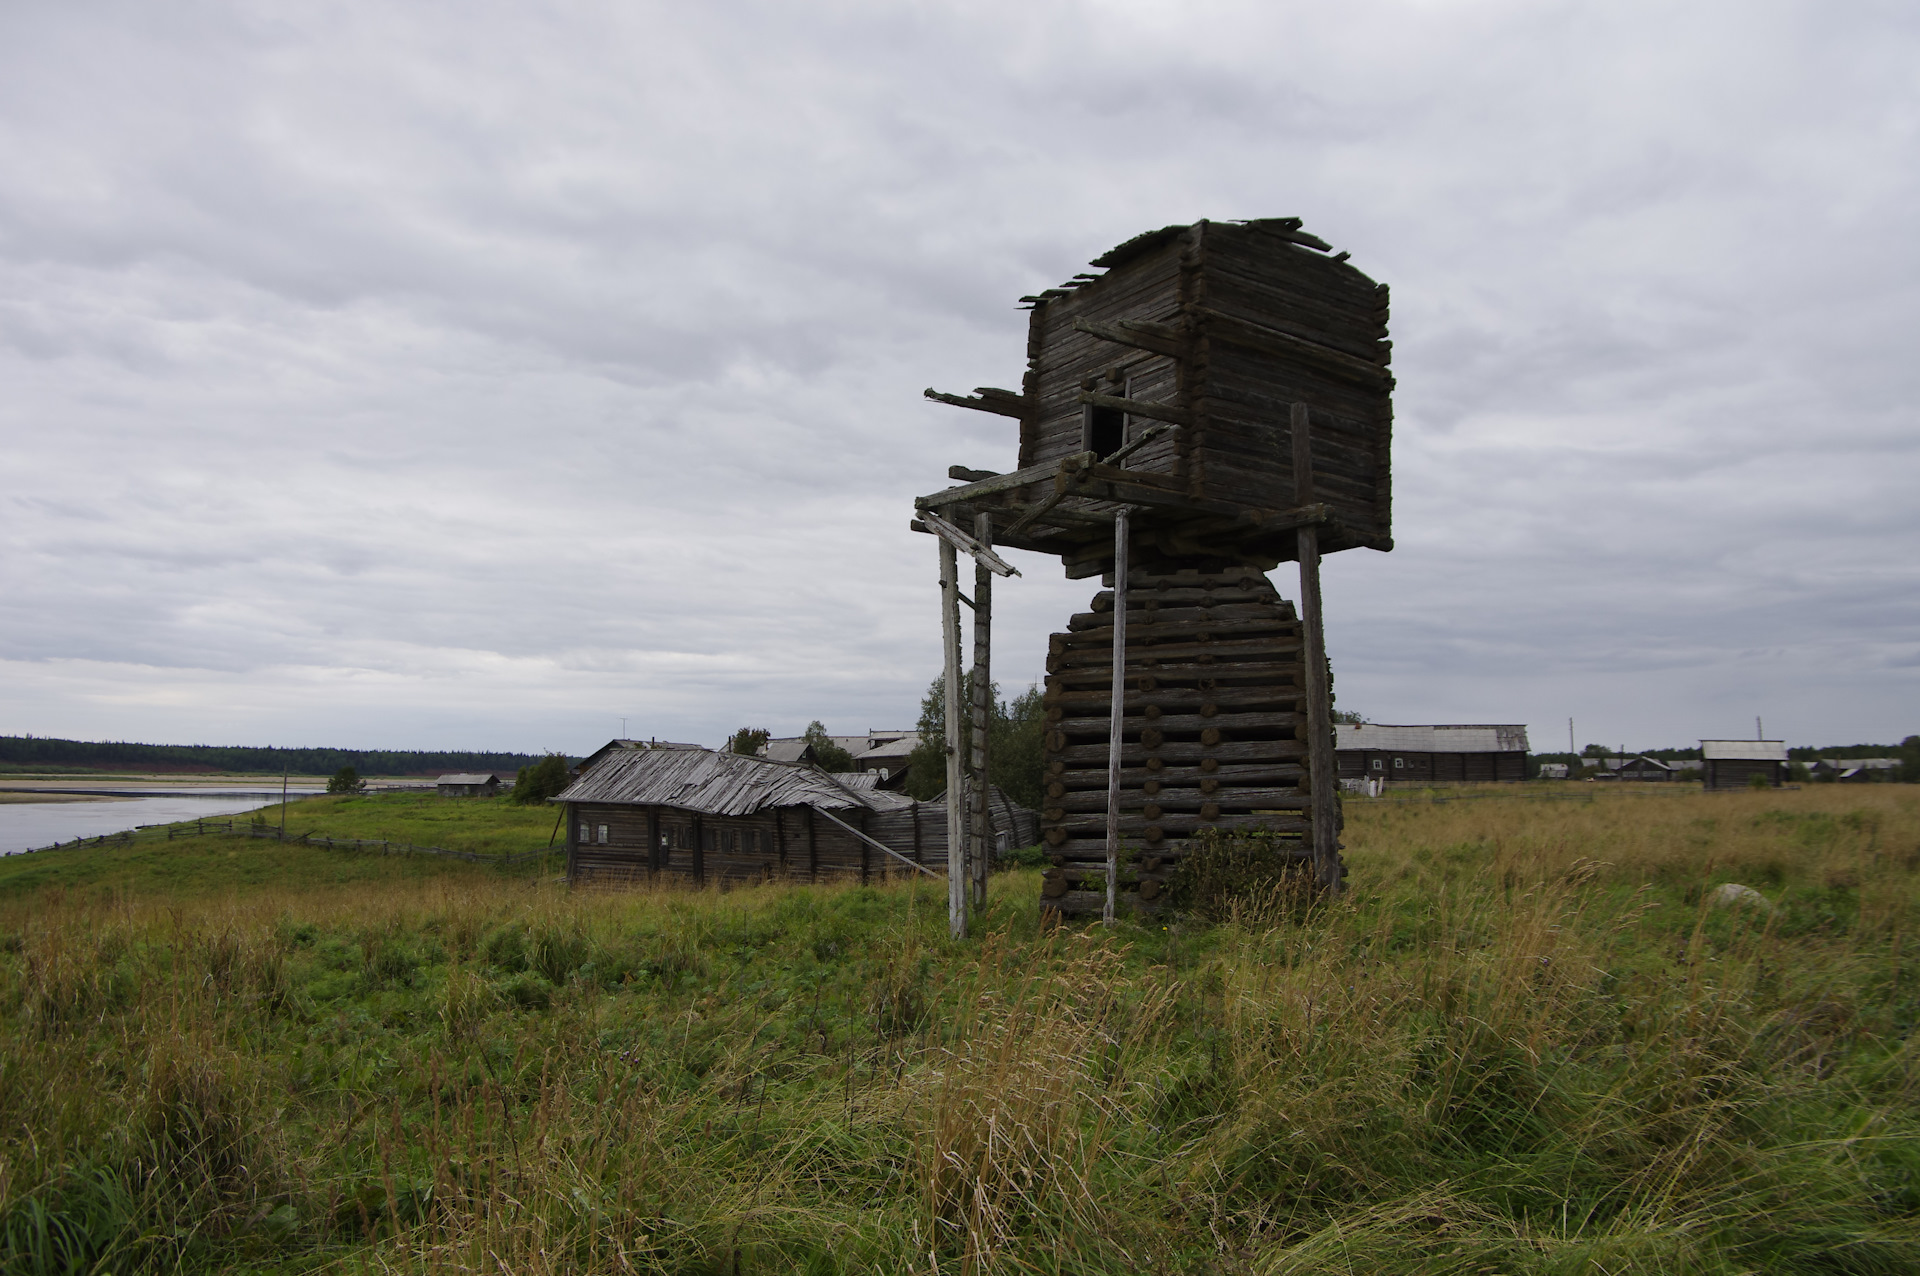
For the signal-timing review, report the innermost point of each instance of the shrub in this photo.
(544, 779)
(1224, 873)
(346, 780)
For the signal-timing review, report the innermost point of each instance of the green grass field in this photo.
(151, 866)
(1523, 1042)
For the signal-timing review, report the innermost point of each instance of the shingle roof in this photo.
(1510, 738)
(709, 783)
(1744, 750)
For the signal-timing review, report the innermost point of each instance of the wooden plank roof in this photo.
(710, 783)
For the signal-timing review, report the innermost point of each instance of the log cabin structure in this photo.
(1451, 753)
(1214, 401)
(1733, 764)
(704, 818)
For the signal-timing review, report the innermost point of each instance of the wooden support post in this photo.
(1117, 719)
(980, 843)
(1321, 773)
(956, 783)
(573, 842)
(699, 852)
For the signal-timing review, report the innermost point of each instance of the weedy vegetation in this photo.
(1526, 1040)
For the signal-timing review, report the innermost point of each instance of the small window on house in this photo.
(1104, 431)
(1398, 763)
(603, 835)
(586, 835)
(1379, 764)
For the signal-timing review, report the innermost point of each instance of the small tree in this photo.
(1016, 735)
(346, 780)
(544, 779)
(748, 741)
(829, 755)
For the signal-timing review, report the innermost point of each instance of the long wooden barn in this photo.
(1447, 752)
(699, 817)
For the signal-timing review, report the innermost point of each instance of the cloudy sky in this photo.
(450, 375)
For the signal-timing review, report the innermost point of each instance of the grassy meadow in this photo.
(1524, 1041)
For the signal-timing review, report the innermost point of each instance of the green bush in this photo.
(1224, 873)
(544, 779)
(346, 780)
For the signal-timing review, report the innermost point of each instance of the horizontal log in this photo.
(1184, 752)
(1263, 674)
(1151, 612)
(1224, 651)
(990, 487)
(1181, 724)
(1174, 825)
(1174, 698)
(1011, 404)
(1141, 334)
(1188, 801)
(1135, 778)
(965, 475)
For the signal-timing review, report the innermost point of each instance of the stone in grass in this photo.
(1734, 895)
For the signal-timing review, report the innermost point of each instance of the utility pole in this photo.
(1572, 748)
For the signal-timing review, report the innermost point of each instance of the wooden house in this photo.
(613, 746)
(1210, 401)
(1426, 754)
(1732, 764)
(706, 817)
(1645, 769)
(473, 784)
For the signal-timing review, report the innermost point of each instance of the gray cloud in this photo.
(463, 375)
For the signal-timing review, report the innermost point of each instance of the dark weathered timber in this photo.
(1159, 397)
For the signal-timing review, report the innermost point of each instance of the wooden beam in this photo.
(962, 474)
(956, 816)
(1256, 336)
(987, 487)
(1116, 710)
(980, 846)
(966, 544)
(1138, 407)
(1141, 334)
(873, 842)
(1323, 781)
(998, 402)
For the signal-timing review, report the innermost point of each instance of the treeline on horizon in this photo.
(97, 755)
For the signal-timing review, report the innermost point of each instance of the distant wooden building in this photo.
(704, 817)
(1855, 770)
(1376, 751)
(1644, 768)
(613, 746)
(468, 784)
(1732, 764)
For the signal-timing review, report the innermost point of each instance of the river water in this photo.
(29, 825)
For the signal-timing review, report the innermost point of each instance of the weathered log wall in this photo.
(1213, 733)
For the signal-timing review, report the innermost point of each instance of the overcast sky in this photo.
(474, 375)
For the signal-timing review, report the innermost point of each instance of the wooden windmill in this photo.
(1214, 401)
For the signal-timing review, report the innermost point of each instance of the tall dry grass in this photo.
(1525, 1041)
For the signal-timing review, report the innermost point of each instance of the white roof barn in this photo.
(1743, 750)
(1432, 739)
